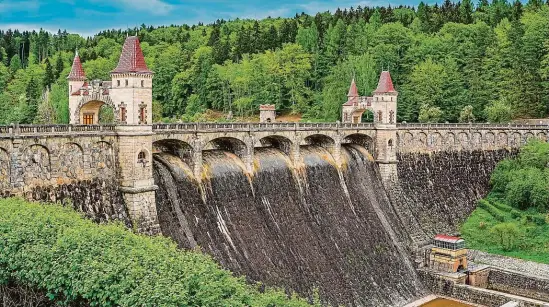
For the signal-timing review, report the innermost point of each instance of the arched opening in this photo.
(229, 144)
(95, 112)
(320, 140)
(360, 139)
(367, 116)
(174, 147)
(275, 141)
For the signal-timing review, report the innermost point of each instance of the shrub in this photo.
(506, 234)
(484, 204)
(536, 219)
(78, 262)
(528, 188)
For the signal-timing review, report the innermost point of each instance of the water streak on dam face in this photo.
(299, 229)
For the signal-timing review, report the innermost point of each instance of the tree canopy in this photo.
(490, 59)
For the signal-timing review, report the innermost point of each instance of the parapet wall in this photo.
(68, 164)
(519, 284)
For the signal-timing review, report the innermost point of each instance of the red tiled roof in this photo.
(449, 239)
(353, 90)
(77, 72)
(132, 59)
(385, 84)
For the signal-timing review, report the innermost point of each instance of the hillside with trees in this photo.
(450, 62)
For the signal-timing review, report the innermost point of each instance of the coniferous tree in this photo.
(49, 76)
(59, 66)
(466, 12)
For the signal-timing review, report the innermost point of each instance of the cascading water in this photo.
(312, 226)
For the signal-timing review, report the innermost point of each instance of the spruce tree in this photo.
(59, 66)
(466, 12)
(49, 77)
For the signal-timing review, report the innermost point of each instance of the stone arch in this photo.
(361, 139)
(320, 140)
(435, 140)
(421, 139)
(527, 136)
(502, 139)
(463, 139)
(542, 136)
(407, 139)
(71, 160)
(230, 144)
(5, 169)
(476, 139)
(450, 139)
(102, 158)
(91, 104)
(36, 164)
(181, 149)
(515, 139)
(490, 138)
(282, 143)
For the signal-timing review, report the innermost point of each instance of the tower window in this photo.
(118, 83)
(126, 82)
(143, 113)
(141, 155)
(142, 83)
(123, 113)
(70, 90)
(392, 116)
(379, 116)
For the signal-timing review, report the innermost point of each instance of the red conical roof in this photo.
(77, 72)
(132, 59)
(385, 84)
(353, 91)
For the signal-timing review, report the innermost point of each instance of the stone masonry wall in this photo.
(71, 168)
(524, 285)
(437, 191)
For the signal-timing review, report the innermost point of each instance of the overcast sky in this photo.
(87, 17)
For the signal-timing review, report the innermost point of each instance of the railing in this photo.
(257, 126)
(53, 129)
(470, 126)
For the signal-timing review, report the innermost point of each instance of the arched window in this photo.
(390, 143)
(141, 156)
(118, 83)
(142, 83)
(123, 112)
(379, 116)
(126, 82)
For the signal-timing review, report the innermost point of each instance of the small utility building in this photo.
(448, 254)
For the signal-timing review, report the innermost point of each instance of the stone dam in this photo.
(337, 207)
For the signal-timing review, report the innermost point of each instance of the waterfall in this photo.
(299, 227)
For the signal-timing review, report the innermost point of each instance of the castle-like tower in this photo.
(383, 105)
(129, 92)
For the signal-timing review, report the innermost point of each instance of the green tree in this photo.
(49, 77)
(466, 12)
(498, 111)
(466, 115)
(429, 114)
(15, 63)
(506, 234)
(59, 66)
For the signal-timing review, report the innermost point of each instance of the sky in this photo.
(87, 17)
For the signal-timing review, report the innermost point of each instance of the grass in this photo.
(533, 240)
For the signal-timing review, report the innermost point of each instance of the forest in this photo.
(450, 62)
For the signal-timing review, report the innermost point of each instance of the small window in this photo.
(118, 83)
(141, 156)
(390, 143)
(126, 82)
(379, 116)
(70, 89)
(142, 83)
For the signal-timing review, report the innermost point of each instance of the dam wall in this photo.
(301, 226)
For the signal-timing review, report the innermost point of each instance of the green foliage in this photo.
(516, 209)
(506, 234)
(78, 262)
(429, 114)
(472, 62)
(499, 112)
(466, 115)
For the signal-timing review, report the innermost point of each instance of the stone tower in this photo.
(129, 94)
(383, 105)
(77, 81)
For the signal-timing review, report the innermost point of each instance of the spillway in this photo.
(301, 227)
